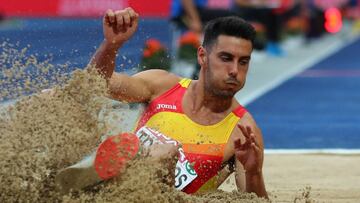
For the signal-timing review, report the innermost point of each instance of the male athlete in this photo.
(209, 128)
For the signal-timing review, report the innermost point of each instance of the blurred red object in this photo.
(81, 8)
(296, 23)
(25, 8)
(151, 8)
(152, 46)
(155, 56)
(333, 20)
(190, 38)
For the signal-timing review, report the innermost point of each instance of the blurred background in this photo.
(303, 86)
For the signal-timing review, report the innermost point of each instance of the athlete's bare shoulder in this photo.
(246, 119)
(159, 81)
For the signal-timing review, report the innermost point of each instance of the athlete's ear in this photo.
(201, 56)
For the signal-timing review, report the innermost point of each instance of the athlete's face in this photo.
(226, 65)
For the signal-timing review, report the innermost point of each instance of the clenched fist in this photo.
(120, 25)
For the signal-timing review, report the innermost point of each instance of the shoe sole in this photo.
(110, 159)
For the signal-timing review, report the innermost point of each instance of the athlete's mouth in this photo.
(232, 82)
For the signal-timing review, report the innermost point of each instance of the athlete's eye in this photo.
(225, 58)
(244, 62)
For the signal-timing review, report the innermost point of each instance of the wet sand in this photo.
(327, 177)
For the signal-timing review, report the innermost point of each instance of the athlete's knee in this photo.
(163, 151)
(166, 155)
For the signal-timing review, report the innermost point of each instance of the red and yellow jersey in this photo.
(203, 145)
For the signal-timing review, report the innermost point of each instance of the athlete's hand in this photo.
(249, 153)
(120, 25)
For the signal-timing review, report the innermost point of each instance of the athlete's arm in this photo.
(224, 173)
(141, 87)
(193, 18)
(249, 156)
(119, 27)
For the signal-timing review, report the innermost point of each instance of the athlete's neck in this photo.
(200, 99)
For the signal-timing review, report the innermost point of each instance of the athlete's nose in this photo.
(233, 70)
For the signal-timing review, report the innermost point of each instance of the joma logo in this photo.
(166, 106)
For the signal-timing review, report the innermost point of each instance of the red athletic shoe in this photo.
(110, 159)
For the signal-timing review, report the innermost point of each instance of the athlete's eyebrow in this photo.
(245, 58)
(228, 54)
(225, 53)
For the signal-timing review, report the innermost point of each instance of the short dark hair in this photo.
(230, 26)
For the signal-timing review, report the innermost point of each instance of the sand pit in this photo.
(43, 133)
(328, 177)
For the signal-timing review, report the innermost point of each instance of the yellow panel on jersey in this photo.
(184, 130)
(185, 82)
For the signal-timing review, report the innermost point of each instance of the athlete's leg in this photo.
(110, 159)
(167, 155)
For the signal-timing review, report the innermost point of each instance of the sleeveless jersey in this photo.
(203, 145)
